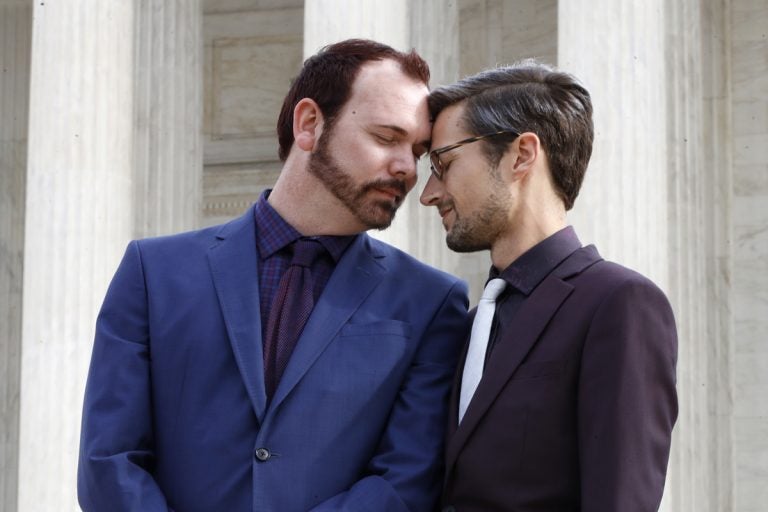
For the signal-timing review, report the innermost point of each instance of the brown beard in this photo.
(373, 213)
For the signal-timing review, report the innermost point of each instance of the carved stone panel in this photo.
(251, 57)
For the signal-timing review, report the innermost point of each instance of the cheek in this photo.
(456, 190)
(366, 160)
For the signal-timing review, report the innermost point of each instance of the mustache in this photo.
(387, 184)
(444, 205)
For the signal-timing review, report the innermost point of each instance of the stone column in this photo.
(623, 204)
(15, 38)
(168, 109)
(748, 55)
(699, 170)
(329, 21)
(656, 199)
(78, 219)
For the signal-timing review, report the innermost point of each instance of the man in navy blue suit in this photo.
(565, 396)
(219, 384)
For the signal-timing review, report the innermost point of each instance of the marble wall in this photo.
(495, 32)
(244, 39)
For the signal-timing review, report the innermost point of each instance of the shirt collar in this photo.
(274, 232)
(530, 269)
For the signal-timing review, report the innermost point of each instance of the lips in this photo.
(394, 194)
(394, 189)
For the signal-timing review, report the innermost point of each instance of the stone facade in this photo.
(124, 119)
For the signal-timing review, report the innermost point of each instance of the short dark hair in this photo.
(327, 78)
(528, 97)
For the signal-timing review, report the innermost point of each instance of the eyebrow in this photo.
(403, 132)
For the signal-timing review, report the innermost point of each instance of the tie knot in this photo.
(306, 251)
(493, 289)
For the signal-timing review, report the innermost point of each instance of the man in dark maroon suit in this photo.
(565, 397)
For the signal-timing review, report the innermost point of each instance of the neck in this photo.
(533, 228)
(305, 203)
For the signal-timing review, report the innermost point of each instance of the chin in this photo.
(377, 216)
(465, 244)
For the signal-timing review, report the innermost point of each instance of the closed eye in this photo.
(387, 141)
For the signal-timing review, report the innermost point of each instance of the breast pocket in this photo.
(369, 359)
(383, 328)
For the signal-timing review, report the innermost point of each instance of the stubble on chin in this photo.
(478, 231)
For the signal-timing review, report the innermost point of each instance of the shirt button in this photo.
(263, 454)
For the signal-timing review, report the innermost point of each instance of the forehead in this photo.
(449, 126)
(383, 94)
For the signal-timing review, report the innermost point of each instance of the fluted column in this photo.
(620, 58)
(78, 219)
(623, 206)
(749, 62)
(329, 21)
(656, 197)
(699, 164)
(168, 109)
(15, 35)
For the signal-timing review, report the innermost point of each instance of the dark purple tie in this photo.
(291, 308)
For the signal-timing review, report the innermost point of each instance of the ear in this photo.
(527, 153)
(307, 124)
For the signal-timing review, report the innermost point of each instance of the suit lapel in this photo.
(234, 267)
(531, 319)
(354, 278)
(453, 404)
(534, 315)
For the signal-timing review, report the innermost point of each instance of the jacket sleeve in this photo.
(116, 443)
(627, 402)
(405, 473)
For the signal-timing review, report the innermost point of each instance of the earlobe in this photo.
(528, 148)
(307, 124)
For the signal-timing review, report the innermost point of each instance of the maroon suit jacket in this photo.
(576, 405)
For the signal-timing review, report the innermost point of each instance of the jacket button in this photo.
(263, 454)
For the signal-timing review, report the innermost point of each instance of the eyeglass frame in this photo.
(436, 166)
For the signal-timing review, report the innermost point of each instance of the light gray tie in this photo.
(478, 343)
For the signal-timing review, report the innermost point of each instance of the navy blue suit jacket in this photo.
(175, 413)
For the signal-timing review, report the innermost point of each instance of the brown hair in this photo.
(327, 78)
(528, 97)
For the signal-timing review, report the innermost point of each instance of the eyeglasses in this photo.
(438, 169)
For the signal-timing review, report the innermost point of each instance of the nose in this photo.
(404, 168)
(432, 192)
